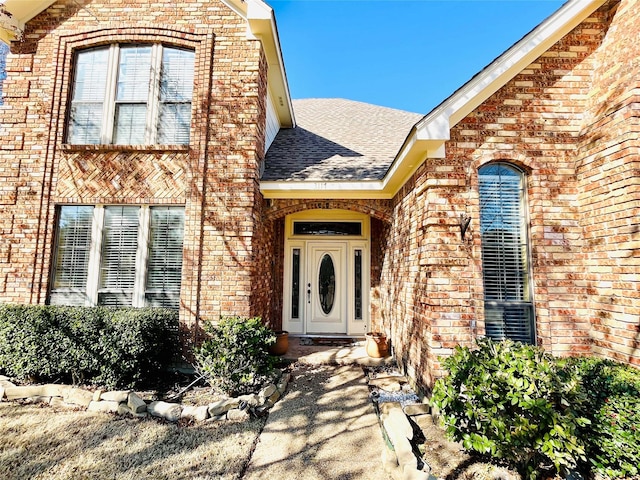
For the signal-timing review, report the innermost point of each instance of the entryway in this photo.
(326, 273)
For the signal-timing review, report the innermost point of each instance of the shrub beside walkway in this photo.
(324, 428)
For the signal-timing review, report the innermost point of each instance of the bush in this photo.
(111, 347)
(515, 403)
(613, 439)
(235, 358)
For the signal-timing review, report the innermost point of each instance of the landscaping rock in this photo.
(252, 400)
(222, 406)
(1, 393)
(125, 410)
(55, 390)
(237, 415)
(120, 396)
(271, 401)
(282, 384)
(416, 409)
(38, 399)
(105, 406)
(198, 413)
(391, 383)
(15, 393)
(386, 407)
(168, 411)
(395, 421)
(58, 402)
(78, 396)
(267, 391)
(135, 403)
(96, 395)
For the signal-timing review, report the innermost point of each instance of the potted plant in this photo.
(377, 345)
(281, 345)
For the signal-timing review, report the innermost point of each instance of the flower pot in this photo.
(282, 343)
(376, 345)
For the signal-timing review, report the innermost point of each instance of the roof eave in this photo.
(324, 190)
(262, 26)
(19, 13)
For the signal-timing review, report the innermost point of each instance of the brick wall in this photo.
(569, 120)
(215, 177)
(608, 176)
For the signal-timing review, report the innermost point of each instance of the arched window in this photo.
(508, 304)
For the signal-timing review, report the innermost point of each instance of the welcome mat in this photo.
(328, 341)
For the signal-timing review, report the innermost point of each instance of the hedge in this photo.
(112, 347)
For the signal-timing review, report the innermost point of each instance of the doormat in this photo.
(328, 341)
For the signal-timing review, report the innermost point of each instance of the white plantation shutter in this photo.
(132, 92)
(176, 91)
(118, 259)
(69, 282)
(132, 95)
(89, 87)
(164, 263)
(507, 293)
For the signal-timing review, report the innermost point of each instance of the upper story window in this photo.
(508, 302)
(132, 95)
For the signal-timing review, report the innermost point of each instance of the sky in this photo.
(404, 54)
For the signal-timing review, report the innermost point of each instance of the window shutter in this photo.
(164, 265)
(132, 92)
(71, 263)
(176, 91)
(118, 263)
(89, 88)
(508, 306)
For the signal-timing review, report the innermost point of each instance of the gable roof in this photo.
(337, 140)
(427, 138)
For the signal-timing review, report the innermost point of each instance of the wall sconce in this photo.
(465, 220)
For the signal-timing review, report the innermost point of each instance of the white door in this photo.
(326, 287)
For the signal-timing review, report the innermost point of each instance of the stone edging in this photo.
(127, 402)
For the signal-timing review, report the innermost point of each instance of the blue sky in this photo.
(409, 55)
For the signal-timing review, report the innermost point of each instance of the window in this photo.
(505, 253)
(118, 256)
(132, 95)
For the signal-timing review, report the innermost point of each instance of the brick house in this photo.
(153, 156)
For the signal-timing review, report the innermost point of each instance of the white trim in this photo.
(352, 243)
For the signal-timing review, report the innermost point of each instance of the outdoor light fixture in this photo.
(465, 220)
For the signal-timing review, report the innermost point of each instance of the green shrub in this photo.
(512, 402)
(111, 347)
(235, 357)
(613, 439)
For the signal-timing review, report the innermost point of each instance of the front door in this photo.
(326, 287)
(326, 273)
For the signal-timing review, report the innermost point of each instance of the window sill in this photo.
(125, 148)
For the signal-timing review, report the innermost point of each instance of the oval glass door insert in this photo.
(327, 283)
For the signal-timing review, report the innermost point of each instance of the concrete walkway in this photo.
(324, 428)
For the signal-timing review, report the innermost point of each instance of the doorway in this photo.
(326, 273)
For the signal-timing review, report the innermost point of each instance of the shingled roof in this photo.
(338, 140)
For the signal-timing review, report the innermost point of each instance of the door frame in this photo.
(353, 243)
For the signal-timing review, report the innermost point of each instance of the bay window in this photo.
(118, 256)
(131, 95)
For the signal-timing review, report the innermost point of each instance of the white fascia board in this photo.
(262, 27)
(324, 190)
(19, 13)
(505, 67)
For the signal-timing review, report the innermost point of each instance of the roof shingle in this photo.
(338, 140)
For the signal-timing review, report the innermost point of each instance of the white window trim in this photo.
(142, 254)
(107, 133)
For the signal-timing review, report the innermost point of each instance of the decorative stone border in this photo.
(127, 402)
